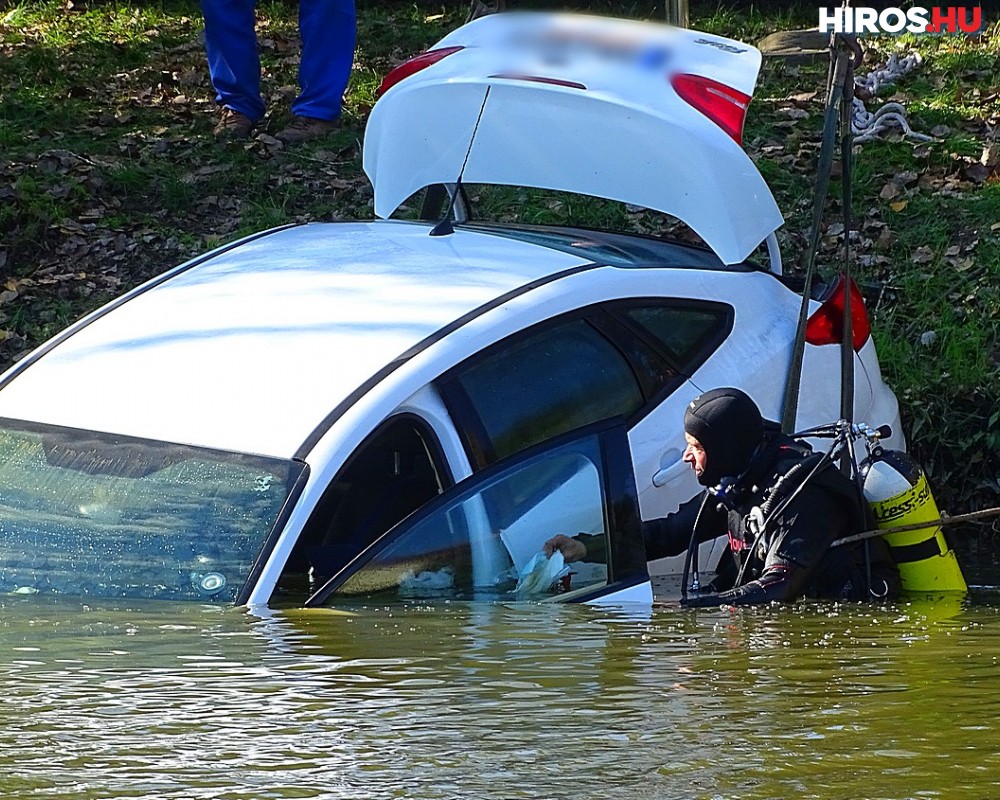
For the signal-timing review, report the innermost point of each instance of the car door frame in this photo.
(627, 555)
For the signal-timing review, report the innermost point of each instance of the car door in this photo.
(629, 358)
(484, 537)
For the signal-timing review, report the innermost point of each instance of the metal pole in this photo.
(677, 13)
(835, 89)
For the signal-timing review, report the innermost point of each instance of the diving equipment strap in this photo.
(907, 553)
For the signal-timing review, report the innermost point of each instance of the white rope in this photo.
(866, 125)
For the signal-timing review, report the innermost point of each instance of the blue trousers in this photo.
(327, 28)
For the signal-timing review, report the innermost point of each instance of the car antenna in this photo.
(445, 226)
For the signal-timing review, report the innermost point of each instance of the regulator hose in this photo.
(692, 551)
(784, 485)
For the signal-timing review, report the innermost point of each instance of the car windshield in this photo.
(84, 513)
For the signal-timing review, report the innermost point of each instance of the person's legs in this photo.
(327, 28)
(233, 61)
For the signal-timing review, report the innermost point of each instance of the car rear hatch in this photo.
(635, 112)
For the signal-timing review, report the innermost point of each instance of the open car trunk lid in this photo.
(584, 105)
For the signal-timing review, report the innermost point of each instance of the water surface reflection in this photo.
(494, 701)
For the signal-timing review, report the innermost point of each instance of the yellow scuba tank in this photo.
(897, 491)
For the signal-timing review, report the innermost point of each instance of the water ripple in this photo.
(166, 701)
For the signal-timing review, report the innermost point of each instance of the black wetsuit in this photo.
(792, 557)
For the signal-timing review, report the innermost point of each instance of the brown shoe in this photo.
(301, 129)
(233, 126)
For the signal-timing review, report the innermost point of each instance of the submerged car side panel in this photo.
(658, 434)
(542, 303)
(264, 339)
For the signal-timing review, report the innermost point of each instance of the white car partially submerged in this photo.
(410, 409)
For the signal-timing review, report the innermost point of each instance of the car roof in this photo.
(599, 116)
(251, 347)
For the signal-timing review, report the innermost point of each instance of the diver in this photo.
(781, 513)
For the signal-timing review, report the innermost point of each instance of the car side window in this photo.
(393, 473)
(532, 388)
(686, 333)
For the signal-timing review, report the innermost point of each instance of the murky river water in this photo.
(495, 701)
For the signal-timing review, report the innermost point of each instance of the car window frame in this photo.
(627, 341)
(706, 348)
(267, 549)
(627, 552)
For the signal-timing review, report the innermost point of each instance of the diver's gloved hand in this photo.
(773, 584)
(747, 594)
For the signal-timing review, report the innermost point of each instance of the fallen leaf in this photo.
(922, 255)
(886, 239)
(794, 113)
(978, 173)
(891, 190)
(899, 205)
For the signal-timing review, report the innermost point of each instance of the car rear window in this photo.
(84, 513)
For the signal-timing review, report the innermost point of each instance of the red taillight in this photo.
(826, 326)
(413, 65)
(722, 104)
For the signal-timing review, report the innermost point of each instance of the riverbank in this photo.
(109, 175)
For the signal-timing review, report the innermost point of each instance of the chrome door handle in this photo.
(671, 467)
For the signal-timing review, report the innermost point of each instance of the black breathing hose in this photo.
(692, 551)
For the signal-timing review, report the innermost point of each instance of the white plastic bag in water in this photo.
(426, 584)
(540, 573)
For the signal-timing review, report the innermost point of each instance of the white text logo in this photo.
(937, 19)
